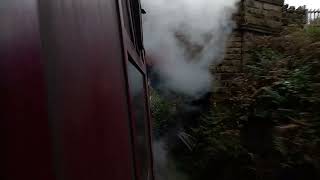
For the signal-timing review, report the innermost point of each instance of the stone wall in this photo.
(294, 16)
(255, 17)
(232, 63)
(261, 17)
(264, 16)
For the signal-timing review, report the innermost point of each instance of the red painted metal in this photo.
(64, 91)
(131, 48)
(25, 135)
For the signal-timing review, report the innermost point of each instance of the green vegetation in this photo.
(163, 114)
(313, 32)
(268, 126)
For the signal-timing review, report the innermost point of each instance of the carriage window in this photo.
(137, 93)
(126, 18)
(136, 18)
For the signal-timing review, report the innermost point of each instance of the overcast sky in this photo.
(311, 4)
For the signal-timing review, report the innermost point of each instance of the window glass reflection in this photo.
(137, 93)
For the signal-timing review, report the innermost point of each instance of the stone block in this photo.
(235, 34)
(234, 44)
(254, 20)
(275, 2)
(254, 12)
(272, 7)
(236, 63)
(235, 39)
(273, 24)
(232, 57)
(277, 16)
(253, 4)
(233, 51)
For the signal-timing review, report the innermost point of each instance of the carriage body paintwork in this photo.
(67, 105)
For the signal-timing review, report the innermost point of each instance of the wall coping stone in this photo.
(275, 2)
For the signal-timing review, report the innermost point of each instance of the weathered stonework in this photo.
(262, 16)
(255, 18)
(293, 16)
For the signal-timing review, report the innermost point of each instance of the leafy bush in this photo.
(268, 127)
(313, 32)
(218, 153)
(163, 112)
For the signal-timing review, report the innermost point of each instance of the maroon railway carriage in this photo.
(73, 91)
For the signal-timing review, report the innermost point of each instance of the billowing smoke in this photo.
(183, 38)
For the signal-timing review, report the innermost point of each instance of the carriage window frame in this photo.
(132, 18)
(135, 56)
(143, 170)
(127, 20)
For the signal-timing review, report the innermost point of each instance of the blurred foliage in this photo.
(163, 112)
(313, 32)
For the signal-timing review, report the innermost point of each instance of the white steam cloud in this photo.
(183, 38)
